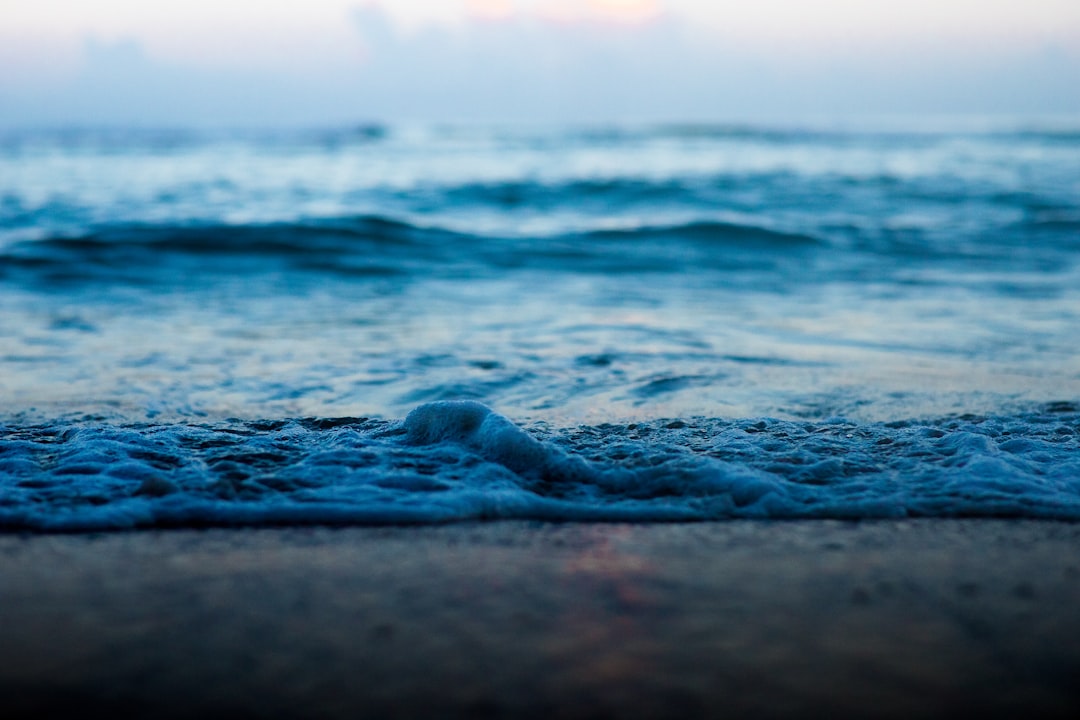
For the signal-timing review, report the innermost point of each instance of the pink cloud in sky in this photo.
(566, 11)
(490, 9)
(621, 11)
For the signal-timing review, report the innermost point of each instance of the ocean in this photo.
(429, 324)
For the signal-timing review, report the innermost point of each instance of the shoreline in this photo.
(883, 618)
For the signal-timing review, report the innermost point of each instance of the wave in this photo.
(375, 245)
(458, 460)
(368, 131)
(908, 134)
(169, 140)
(367, 245)
(619, 192)
(731, 235)
(1058, 136)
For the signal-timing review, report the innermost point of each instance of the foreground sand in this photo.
(738, 619)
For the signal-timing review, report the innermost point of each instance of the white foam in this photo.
(459, 460)
(493, 436)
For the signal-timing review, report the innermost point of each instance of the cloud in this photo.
(615, 60)
(521, 66)
(119, 84)
(525, 68)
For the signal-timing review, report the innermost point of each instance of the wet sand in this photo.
(904, 619)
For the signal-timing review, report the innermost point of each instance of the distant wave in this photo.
(454, 461)
(118, 139)
(167, 140)
(1061, 135)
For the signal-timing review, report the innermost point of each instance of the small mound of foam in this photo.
(674, 487)
(492, 436)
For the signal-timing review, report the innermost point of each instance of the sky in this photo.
(326, 62)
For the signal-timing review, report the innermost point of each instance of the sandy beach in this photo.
(904, 619)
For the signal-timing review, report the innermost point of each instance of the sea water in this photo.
(440, 323)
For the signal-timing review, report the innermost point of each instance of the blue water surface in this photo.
(662, 322)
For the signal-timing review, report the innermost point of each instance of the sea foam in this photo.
(459, 460)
